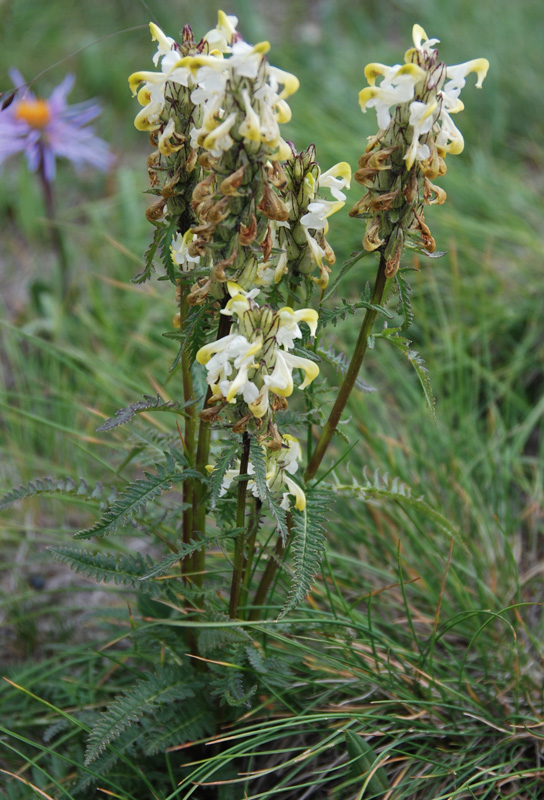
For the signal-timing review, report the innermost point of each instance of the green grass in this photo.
(429, 651)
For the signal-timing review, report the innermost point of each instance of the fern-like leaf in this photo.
(149, 402)
(136, 496)
(125, 569)
(221, 466)
(149, 266)
(405, 296)
(259, 466)
(169, 264)
(166, 686)
(60, 486)
(308, 545)
(278, 515)
(340, 364)
(380, 487)
(403, 344)
(334, 315)
(346, 266)
(186, 549)
(186, 723)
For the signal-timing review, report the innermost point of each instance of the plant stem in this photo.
(252, 528)
(190, 426)
(57, 239)
(202, 455)
(351, 375)
(239, 560)
(269, 573)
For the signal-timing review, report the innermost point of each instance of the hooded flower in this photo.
(414, 103)
(254, 361)
(46, 129)
(281, 464)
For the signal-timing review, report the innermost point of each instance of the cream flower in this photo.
(254, 362)
(180, 251)
(278, 464)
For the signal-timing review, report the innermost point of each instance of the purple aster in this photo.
(45, 129)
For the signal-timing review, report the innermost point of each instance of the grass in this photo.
(414, 670)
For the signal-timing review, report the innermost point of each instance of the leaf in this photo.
(186, 549)
(346, 266)
(135, 497)
(405, 296)
(220, 468)
(149, 266)
(334, 315)
(278, 515)
(363, 759)
(381, 487)
(164, 687)
(149, 402)
(62, 486)
(403, 344)
(187, 723)
(123, 569)
(165, 243)
(257, 458)
(308, 545)
(339, 362)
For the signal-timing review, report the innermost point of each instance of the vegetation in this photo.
(412, 667)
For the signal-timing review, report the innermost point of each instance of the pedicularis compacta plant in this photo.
(241, 219)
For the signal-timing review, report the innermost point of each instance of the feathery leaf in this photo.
(123, 569)
(308, 545)
(61, 486)
(166, 686)
(148, 403)
(136, 496)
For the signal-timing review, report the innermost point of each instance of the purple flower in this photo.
(45, 129)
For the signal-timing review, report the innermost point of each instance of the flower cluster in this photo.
(47, 129)
(169, 115)
(281, 463)
(253, 363)
(301, 239)
(214, 110)
(414, 103)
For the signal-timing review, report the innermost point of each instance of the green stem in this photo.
(190, 426)
(202, 456)
(269, 574)
(351, 375)
(253, 527)
(57, 239)
(239, 560)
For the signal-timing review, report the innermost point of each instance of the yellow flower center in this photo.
(35, 112)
